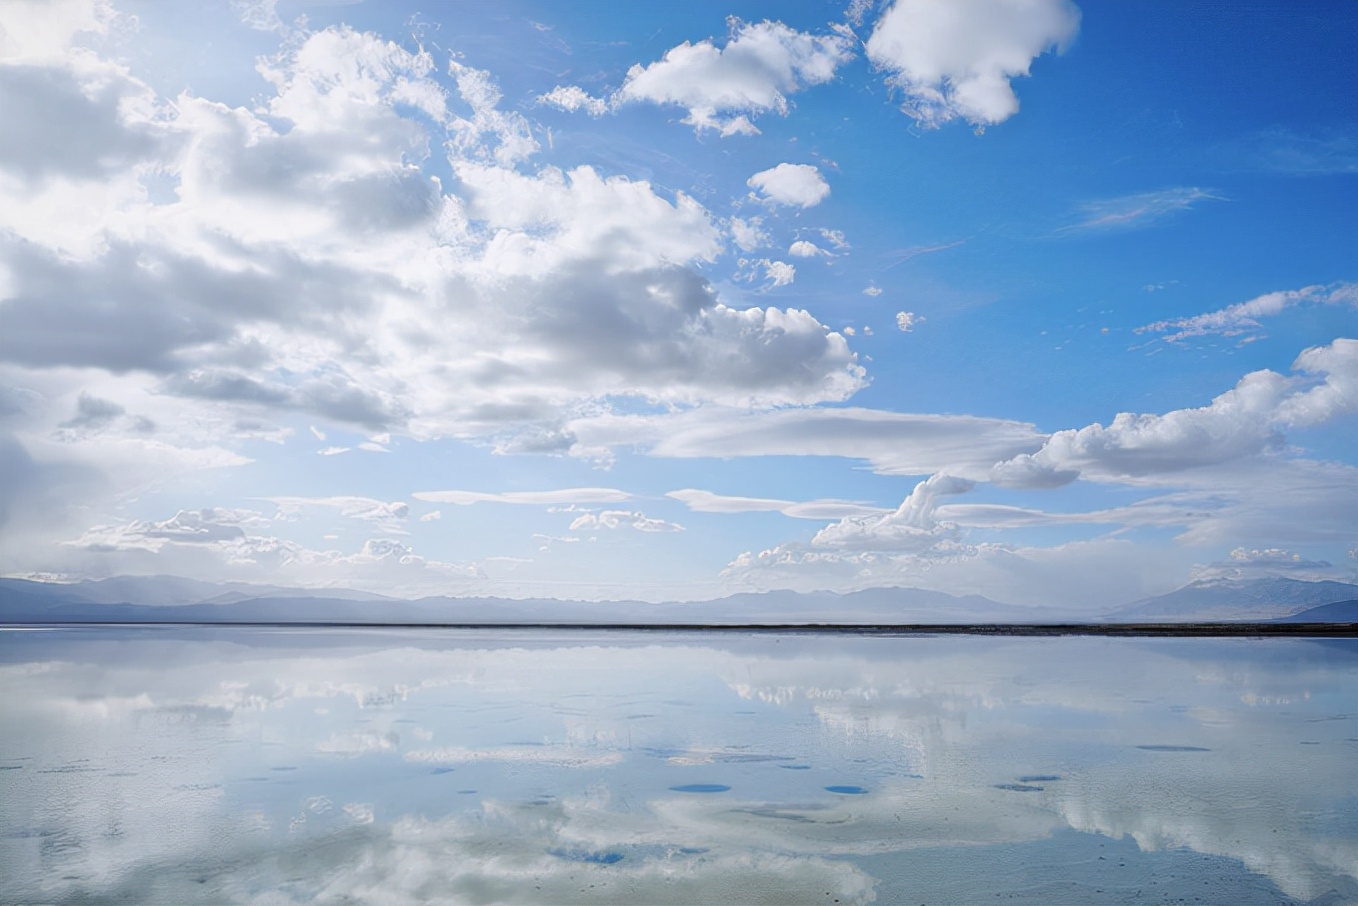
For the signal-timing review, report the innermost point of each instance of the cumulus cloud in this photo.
(956, 58)
(529, 498)
(803, 249)
(306, 264)
(906, 320)
(1247, 563)
(913, 527)
(572, 98)
(779, 273)
(722, 88)
(612, 519)
(387, 517)
(1243, 317)
(747, 234)
(796, 185)
(1241, 422)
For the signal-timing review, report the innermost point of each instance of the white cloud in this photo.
(1243, 317)
(836, 239)
(261, 15)
(779, 273)
(912, 528)
(612, 519)
(722, 88)
(1241, 422)
(528, 498)
(1336, 394)
(955, 58)
(747, 235)
(906, 320)
(1142, 209)
(872, 290)
(387, 517)
(797, 185)
(42, 30)
(803, 249)
(707, 502)
(893, 443)
(1246, 563)
(295, 239)
(207, 526)
(572, 98)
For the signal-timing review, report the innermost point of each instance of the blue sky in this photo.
(1053, 303)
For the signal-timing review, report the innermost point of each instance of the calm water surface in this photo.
(278, 767)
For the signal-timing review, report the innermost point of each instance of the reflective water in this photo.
(278, 767)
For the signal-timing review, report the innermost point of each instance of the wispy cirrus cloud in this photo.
(1141, 209)
(708, 502)
(1243, 317)
(528, 498)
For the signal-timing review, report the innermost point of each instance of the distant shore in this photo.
(1193, 630)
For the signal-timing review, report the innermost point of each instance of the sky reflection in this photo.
(281, 767)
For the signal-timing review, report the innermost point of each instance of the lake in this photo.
(275, 766)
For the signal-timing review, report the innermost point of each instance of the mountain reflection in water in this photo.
(234, 765)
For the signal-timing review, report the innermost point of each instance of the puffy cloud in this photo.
(779, 273)
(572, 98)
(1241, 422)
(797, 185)
(306, 264)
(1245, 563)
(803, 249)
(955, 58)
(905, 320)
(207, 526)
(755, 72)
(1133, 211)
(747, 235)
(387, 517)
(1243, 317)
(1337, 393)
(913, 527)
(612, 519)
(42, 30)
(529, 498)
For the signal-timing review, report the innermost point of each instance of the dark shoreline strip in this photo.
(1192, 630)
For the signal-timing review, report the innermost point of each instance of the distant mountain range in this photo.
(1236, 599)
(173, 599)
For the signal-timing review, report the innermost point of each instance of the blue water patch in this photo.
(443, 770)
(1019, 787)
(583, 855)
(1038, 778)
(847, 790)
(795, 767)
(1174, 748)
(701, 788)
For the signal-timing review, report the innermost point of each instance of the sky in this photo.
(1052, 303)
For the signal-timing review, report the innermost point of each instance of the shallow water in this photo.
(275, 767)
